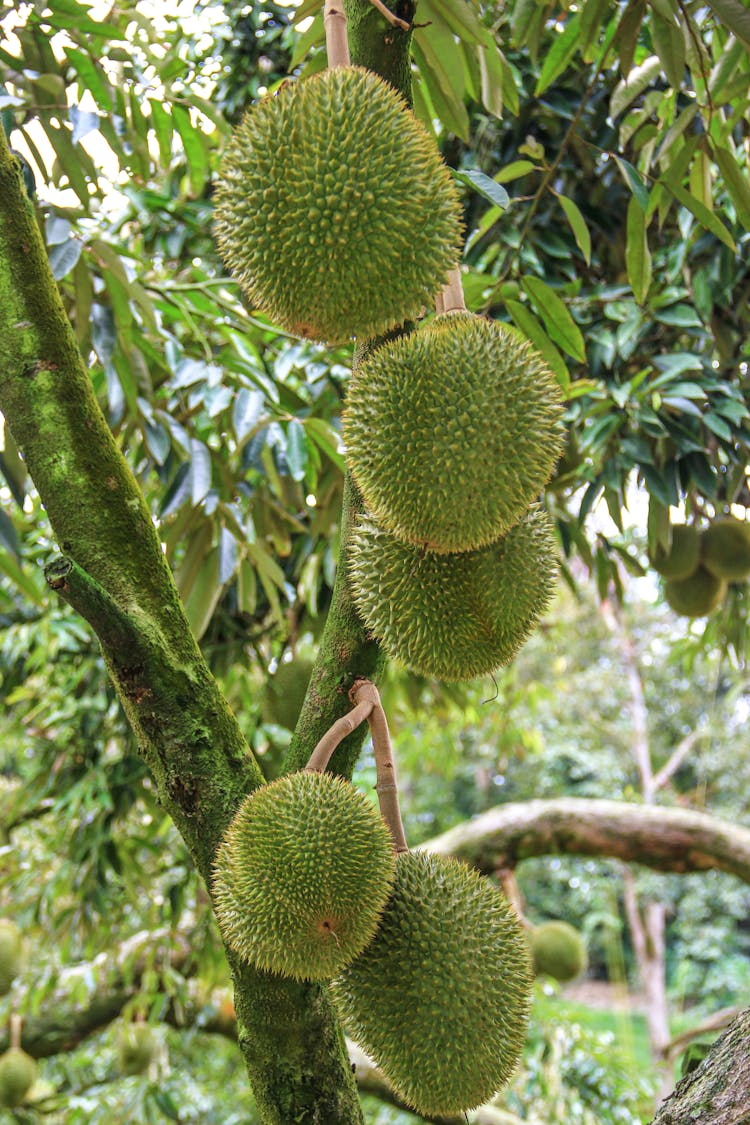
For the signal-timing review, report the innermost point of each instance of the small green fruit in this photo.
(452, 432)
(136, 1047)
(682, 557)
(726, 549)
(453, 617)
(18, 1073)
(440, 998)
(697, 595)
(303, 875)
(557, 949)
(316, 217)
(11, 954)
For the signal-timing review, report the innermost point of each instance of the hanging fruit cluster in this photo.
(336, 215)
(699, 565)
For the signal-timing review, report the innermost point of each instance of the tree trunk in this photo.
(718, 1091)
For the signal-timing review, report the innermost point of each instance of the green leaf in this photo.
(628, 31)
(638, 80)
(8, 535)
(63, 257)
(195, 144)
(459, 16)
(533, 331)
(204, 595)
(634, 181)
(485, 186)
(670, 47)
(162, 124)
(734, 16)
(296, 449)
(12, 570)
(92, 79)
(493, 77)
(705, 217)
(514, 171)
(558, 321)
(637, 254)
(312, 37)
(736, 181)
(577, 225)
(562, 51)
(592, 18)
(448, 106)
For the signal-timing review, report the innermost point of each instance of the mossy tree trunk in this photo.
(114, 573)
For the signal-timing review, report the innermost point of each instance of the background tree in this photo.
(231, 428)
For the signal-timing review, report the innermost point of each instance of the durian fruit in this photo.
(334, 210)
(285, 693)
(697, 595)
(726, 549)
(136, 1047)
(440, 997)
(683, 556)
(18, 1073)
(558, 950)
(452, 432)
(11, 954)
(303, 875)
(453, 617)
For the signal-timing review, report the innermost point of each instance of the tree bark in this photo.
(718, 1091)
(666, 839)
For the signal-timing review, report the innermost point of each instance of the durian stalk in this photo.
(451, 298)
(385, 766)
(337, 44)
(394, 21)
(506, 877)
(16, 1022)
(322, 753)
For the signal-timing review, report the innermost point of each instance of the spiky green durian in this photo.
(451, 432)
(682, 557)
(558, 950)
(285, 693)
(440, 997)
(18, 1073)
(136, 1047)
(334, 210)
(11, 954)
(726, 549)
(697, 595)
(303, 875)
(453, 617)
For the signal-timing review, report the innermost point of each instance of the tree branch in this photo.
(718, 1091)
(116, 574)
(676, 758)
(667, 839)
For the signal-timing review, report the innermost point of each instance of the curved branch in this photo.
(667, 839)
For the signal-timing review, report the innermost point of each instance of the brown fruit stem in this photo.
(451, 298)
(16, 1022)
(385, 766)
(323, 752)
(393, 20)
(337, 44)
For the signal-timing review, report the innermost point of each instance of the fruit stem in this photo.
(452, 296)
(393, 20)
(337, 44)
(385, 765)
(506, 877)
(15, 1030)
(322, 753)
